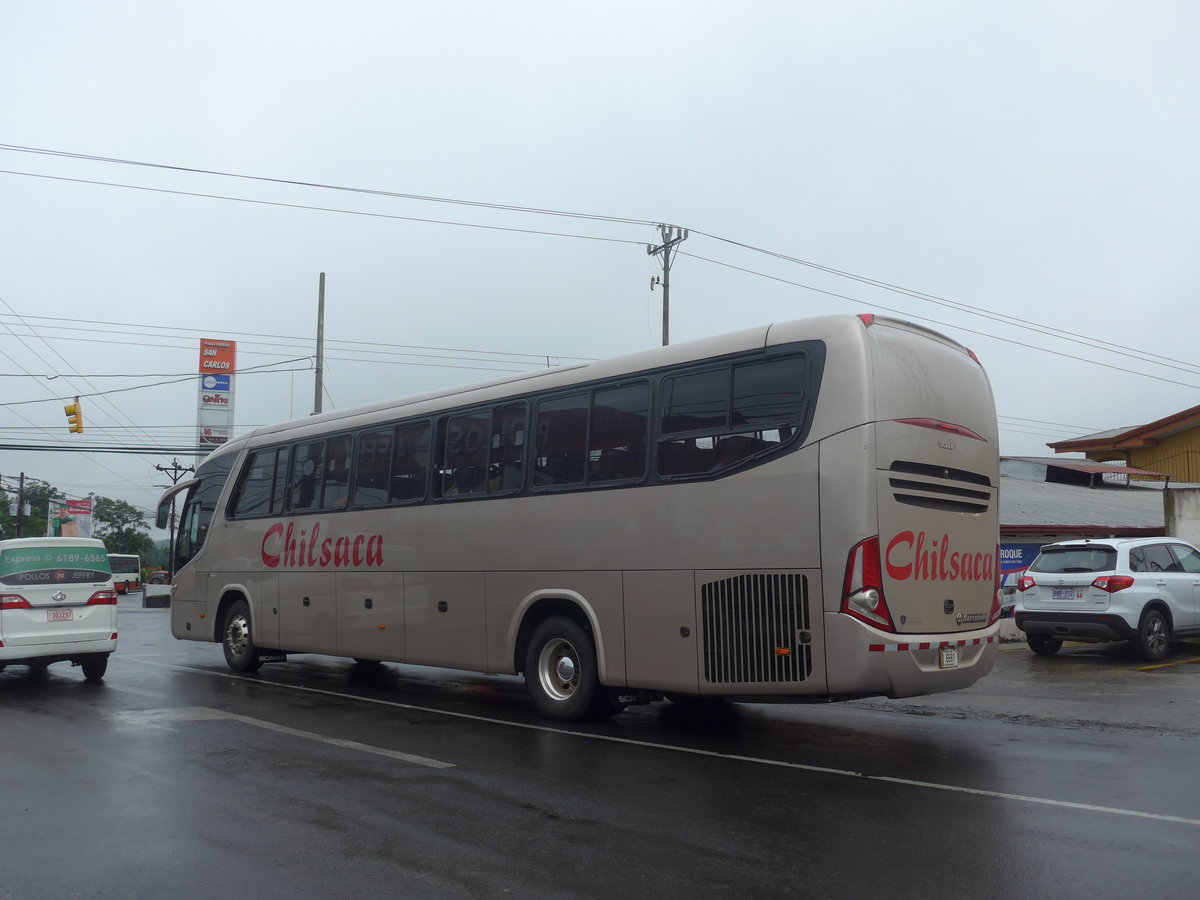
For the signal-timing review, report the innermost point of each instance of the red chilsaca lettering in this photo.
(916, 557)
(271, 560)
(289, 548)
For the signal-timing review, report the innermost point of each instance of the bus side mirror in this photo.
(163, 515)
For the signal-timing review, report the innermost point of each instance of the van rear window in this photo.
(54, 565)
(1076, 559)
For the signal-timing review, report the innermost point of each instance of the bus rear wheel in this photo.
(240, 653)
(561, 674)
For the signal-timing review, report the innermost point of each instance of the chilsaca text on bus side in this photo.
(289, 548)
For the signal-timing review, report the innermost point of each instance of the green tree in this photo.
(38, 495)
(121, 526)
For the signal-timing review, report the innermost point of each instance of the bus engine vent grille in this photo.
(756, 629)
(937, 487)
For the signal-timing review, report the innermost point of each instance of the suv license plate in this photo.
(60, 615)
(947, 657)
(1067, 594)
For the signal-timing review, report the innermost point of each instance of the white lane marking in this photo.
(206, 713)
(694, 751)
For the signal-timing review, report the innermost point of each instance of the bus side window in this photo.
(371, 467)
(717, 419)
(308, 465)
(254, 498)
(464, 462)
(505, 463)
(336, 491)
(618, 433)
(410, 462)
(560, 451)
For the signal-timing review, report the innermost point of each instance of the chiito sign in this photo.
(214, 400)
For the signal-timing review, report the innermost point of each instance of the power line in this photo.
(329, 209)
(1143, 356)
(138, 387)
(1058, 334)
(479, 204)
(900, 312)
(125, 328)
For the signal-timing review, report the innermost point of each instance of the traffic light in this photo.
(74, 416)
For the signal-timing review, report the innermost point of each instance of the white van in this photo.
(57, 603)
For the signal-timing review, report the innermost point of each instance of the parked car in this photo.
(157, 592)
(57, 604)
(1142, 590)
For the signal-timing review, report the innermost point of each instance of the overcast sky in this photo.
(1023, 174)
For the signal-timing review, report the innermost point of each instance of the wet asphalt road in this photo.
(1070, 776)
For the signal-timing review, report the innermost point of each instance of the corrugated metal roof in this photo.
(1087, 465)
(1060, 507)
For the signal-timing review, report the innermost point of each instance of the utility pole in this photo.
(20, 504)
(175, 471)
(671, 237)
(320, 346)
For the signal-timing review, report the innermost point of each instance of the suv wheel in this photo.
(1043, 644)
(1153, 637)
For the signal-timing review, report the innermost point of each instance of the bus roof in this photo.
(817, 328)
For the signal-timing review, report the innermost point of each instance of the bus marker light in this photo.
(783, 651)
(381, 627)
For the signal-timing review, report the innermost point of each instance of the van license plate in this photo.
(60, 615)
(1067, 594)
(947, 657)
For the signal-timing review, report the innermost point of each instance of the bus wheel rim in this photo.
(237, 635)
(558, 669)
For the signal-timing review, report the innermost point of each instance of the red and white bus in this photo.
(126, 572)
(801, 511)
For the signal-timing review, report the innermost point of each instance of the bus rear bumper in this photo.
(862, 660)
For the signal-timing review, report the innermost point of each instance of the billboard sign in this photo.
(214, 398)
(69, 518)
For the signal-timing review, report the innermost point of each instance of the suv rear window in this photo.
(1075, 559)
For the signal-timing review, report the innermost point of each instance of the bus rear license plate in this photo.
(60, 615)
(947, 657)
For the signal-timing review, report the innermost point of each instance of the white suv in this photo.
(57, 603)
(1142, 590)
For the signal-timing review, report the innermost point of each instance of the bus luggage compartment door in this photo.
(660, 631)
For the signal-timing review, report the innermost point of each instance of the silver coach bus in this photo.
(801, 511)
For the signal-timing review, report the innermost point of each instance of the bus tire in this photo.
(560, 671)
(240, 653)
(94, 666)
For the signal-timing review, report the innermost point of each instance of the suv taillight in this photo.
(997, 593)
(862, 590)
(14, 601)
(1024, 583)
(1113, 583)
(103, 598)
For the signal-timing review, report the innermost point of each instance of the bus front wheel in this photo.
(240, 652)
(560, 671)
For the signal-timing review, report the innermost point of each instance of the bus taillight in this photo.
(862, 590)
